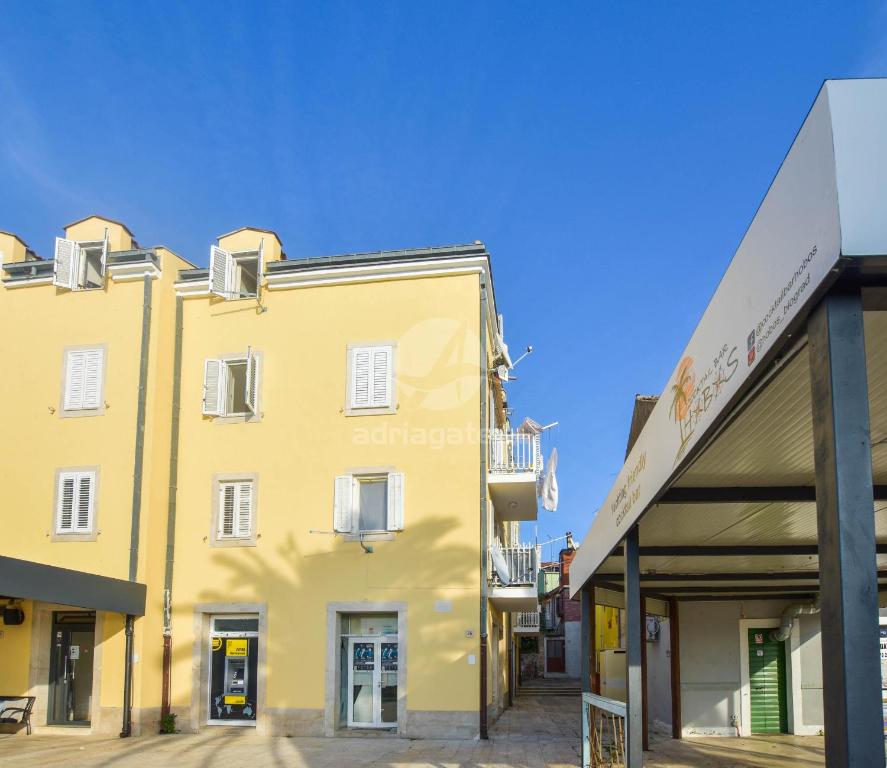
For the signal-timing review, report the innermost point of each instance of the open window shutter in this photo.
(342, 514)
(74, 380)
(220, 264)
(252, 381)
(395, 501)
(65, 523)
(66, 267)
(244, 509)
(381, 377)
(260, 267)
(213, 387)
(105, 254)
(85, 501)
(92, 377)
(360, 378)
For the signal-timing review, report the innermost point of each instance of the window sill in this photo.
(73, 537)
(370, 536)
(236, 418)
(388, 409)
(81, 413)
(233, 542)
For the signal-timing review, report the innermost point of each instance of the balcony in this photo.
(526, 622)
(515, 462)
(512, 574)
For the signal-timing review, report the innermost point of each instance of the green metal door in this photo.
(766, 673)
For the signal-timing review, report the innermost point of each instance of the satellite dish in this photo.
(502, 372)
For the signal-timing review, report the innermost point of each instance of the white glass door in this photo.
(372, 682)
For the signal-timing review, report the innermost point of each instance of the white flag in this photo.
(549, 483)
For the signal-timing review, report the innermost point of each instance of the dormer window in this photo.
(80, 265)
(235, 275)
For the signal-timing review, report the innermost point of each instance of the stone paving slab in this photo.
(538, 732)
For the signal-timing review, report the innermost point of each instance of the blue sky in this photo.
(610, 155)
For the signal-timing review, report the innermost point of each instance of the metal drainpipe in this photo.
(483, 509)
(171, 510)
(138, 464)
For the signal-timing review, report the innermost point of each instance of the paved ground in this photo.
(539, 732)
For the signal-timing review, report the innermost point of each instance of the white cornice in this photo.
(121, 273)
(28, 282)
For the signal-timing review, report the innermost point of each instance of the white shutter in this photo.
(342, 516)
(227, 506)
(381, 379)
(360, 377)
(213, 387)
(220, 269)
(92, 378)
(66, 490)
(395, 501)
(83, 379)
(104, 267)
(85, 494)
(260, 265)
(76, 502)
(252, 381)
(67, 263)
(244, 509)
(75, 369)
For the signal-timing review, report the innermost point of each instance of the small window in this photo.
(372, 503)
(246, 276)
(80, 265)
(235, 624)
(369, 503)
(230, 386)
(236, 509)
(84, 369)
(371, 377)
(75, 510)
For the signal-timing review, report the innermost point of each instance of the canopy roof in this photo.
(721, 476)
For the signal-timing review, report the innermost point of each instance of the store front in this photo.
(233, 670)
(369, 650)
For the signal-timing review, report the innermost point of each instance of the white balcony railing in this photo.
(513, 452)
(526, 621)
(513, 566)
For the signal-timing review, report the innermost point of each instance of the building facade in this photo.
(328, 488)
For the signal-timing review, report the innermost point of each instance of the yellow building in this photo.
(84, 465)
(329, 486)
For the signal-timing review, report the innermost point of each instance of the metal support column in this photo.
(854, 734)
(586, 627)
(634, 690)
(674, 637)
(645, 741)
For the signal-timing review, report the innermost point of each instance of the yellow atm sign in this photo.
(236, 647)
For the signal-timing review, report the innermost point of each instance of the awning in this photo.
(27, 580)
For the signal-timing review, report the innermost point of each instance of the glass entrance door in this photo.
(372, 682)
(71, 669)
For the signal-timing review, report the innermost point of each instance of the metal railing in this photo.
(526, 621)
(513, 452)
(516, 566)
(603, 732)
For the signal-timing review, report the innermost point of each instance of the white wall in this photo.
(711, 677)
(659, 681)
(573, 649)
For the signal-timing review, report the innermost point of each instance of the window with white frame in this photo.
(236, 275)
(80, 265)
(237, 501)
(231, 386)
(84, 374)
(371, 377)
(369, 503)
(75, 506)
